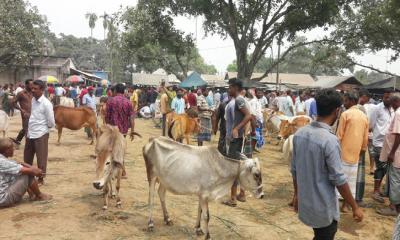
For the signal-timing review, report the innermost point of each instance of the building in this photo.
(147, 79)
(214, 80)
(342, 83)
(378, 87)
(56, 66)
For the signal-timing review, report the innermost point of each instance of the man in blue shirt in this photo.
(178, 103)
(317, 170)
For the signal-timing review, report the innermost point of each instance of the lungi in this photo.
(205, 130)
(16, 191)
(393, 184)
(350, 170)
(360, 185)
(259, 135)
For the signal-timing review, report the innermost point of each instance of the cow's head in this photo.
(285, 129)
(250, 177)
(110, 149)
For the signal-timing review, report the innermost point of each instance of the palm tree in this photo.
(92, 22)
(105, 23)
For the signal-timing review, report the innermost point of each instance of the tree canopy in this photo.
(256, 24)
(22, 31)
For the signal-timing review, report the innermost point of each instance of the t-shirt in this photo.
(178, 105)
(191, 97)
(202, 103)
(234, 116)
(394, 129)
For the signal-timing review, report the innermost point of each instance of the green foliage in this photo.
(369, 77)
(22, 31)
(255, 24)
(92, 17)
(151, 41)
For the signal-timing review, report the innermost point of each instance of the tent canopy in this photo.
(194, 80)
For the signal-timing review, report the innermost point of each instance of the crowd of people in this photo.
(328, 155)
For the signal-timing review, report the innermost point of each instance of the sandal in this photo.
(387, 212)
(230, 203)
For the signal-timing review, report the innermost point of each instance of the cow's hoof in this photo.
(199, 232)
(168, 222)
(113, 196)
(105, 207)
(150, 227)
(208, 237)
(119, 204)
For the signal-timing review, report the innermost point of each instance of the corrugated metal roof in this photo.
(304, 80)
(389, 83)
(146, 79)
(333, 81)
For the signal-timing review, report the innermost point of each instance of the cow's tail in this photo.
(149, 164)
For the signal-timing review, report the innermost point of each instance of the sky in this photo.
(68, 17)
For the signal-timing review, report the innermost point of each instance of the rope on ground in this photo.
(229, 224)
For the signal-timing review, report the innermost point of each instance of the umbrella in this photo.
(74, 79)
(49, 79)
(105, 82)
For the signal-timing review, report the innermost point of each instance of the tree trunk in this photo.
(244, 73)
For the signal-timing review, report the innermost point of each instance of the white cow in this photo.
(4, 123)
(190, 170)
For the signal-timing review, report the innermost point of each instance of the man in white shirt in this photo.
(262, 99)
(379, 123)
(285, 105)
(300, 107)
(20, 88)
(40, 121)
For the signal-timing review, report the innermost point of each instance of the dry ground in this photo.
(75, 212)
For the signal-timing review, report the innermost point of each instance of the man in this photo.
(391, 155)
(219, 122)
(19, 89)
(164, 107)
(285, 104)
(205, 113)
(352, 133)
(40, 121)
(23, 102)
(317, 171)
(135, 99)
(120, 112)
(99, 91)
(59, 92)
(178, 103)
(299, 106)
(262, 99)
(311, 105)
(89, 99)
(217, 99)
(82, 93)
(192, 99)
(237, 116)
(16, 179)
(379, 123)
(73, 93)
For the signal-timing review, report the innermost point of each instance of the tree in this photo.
(150, 41)
(315, 59)
(92, 17)
(256, 24)
(370, 26)
(105, 23)
(22, 31)
(369, 77)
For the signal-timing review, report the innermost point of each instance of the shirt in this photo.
(317, 168)
(299, 106)
(217, 99)
(394, 128)
(379, 123)
(119, 113)
(307, 104)
(191, 97)
(135, 100)
(89, 101)
(263, 102)
(284, 104)
(234, 116)
(41, 119)
(164, 106)
(352, 133)
(178, 105)
(202, 103)
(60, 91)
(9, 170)
(255, 109)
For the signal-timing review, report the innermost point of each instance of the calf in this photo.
(182, 126)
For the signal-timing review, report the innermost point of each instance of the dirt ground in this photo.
(75, 212)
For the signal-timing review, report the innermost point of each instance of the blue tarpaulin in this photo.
(194, 80)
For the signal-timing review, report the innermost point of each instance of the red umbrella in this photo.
(75, 79)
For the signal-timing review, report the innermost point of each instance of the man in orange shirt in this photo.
(352, 133)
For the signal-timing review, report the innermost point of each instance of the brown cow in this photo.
(183, 126)
(75, 119)
(290, 126)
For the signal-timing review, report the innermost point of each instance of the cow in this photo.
(183, 126)
(191, 170)
(75, 119)
(67, 102)
(4, 123)
(291, 125)
(110, 149)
